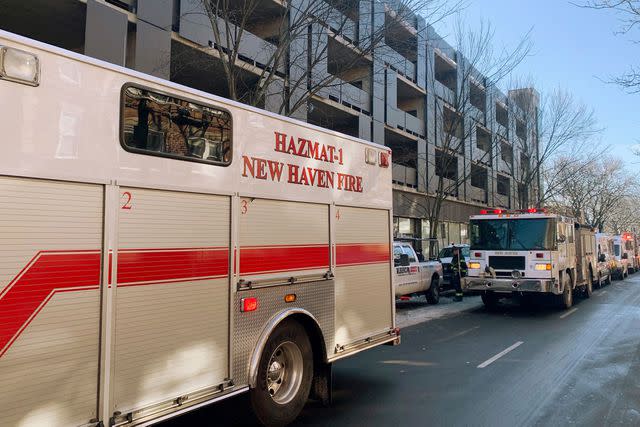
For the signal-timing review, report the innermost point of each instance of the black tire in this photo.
(565, 300)
(433, 294)
(490, 300)
(588, 288)
(288, 337)
(598, 281)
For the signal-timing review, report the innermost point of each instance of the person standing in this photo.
(459, 270)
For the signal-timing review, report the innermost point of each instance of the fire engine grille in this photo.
(507, 262)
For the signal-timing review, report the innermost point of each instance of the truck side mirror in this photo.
(602, 258)
(404, 260)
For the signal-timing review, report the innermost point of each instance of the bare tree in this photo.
(471, 72)
(629, 11)
(296, 37)
(562, 141)
(600, 192)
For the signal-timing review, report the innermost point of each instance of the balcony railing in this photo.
(347, 94)
(404, 175)
(398, 62)
(197, 28)
(405, 121)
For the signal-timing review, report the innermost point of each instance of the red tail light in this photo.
(249, 304)
(484, 212)
(539, 255)
(477, 254)
(498, 211)
(532, 210)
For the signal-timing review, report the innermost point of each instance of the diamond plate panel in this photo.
(316, 297)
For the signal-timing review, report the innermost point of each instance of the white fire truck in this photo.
(162, 248)
(624, 251)
(527, 252)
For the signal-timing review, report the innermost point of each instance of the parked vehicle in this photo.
(605, 263)
(529, 252)
(628, 246)
(164, 248)
(623, 258)
(445, 256)
(412, 277)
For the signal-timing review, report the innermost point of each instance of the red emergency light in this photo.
(384, 159)
(484, 212)
(627, 236)
(249, 304)
(498, 211)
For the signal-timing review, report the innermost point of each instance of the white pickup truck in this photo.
(411, 276)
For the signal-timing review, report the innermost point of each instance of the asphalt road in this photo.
(534, 366)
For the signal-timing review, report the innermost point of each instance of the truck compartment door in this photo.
(50, 259)
(172, 296)
(364, 300)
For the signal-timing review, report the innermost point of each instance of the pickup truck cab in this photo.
(411, 276)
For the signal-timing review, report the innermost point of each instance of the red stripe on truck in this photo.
(46, 274)
(50, 272)
(274, 259)
(152, 266)
(362, 253)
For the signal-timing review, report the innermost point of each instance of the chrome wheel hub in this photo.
(284, 372)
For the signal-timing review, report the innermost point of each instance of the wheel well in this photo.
(315, 336)
(435, 276)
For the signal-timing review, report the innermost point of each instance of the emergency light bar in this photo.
(502, 211)
(19, 66)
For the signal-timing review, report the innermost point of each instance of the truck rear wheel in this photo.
(588, 288)
(285, 372)
(566, 299)
(433, 294)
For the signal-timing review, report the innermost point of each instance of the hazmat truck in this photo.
(162, 248)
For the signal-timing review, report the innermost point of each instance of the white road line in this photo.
(568, 313)
(499, 355)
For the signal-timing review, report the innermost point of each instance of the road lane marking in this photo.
(568, 313)
(499, 355)
(408, 363)
(456, 335)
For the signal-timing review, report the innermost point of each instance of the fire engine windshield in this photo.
(513, 234)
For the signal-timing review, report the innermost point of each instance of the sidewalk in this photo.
(417, 310)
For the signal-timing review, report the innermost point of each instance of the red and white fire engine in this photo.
(530, 252)
(625, 254)
(162, 248)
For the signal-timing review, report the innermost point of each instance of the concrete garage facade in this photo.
(395, 97)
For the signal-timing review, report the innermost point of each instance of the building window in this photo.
(503, 185)
(446, 165)
(164, 125)
(502, 114)
(479, 177)
(506, 153)
(464, 234)
(521, 130)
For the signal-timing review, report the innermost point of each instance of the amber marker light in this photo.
(290, 298)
